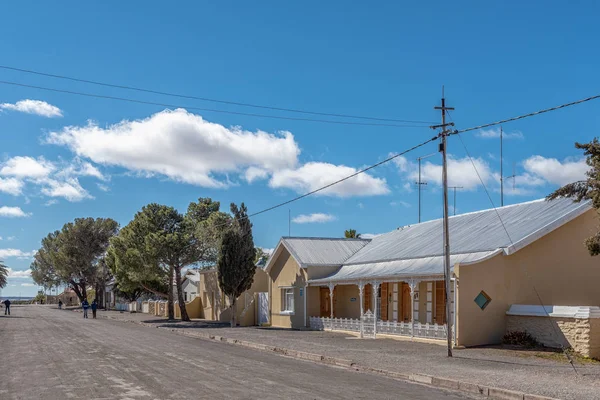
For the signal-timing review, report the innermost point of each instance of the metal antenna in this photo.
(420, 183)
(455, 187)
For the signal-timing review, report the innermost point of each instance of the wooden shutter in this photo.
(440, 303)
(384, 302)
(368, 298)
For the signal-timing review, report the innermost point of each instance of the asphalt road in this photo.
(50, 354)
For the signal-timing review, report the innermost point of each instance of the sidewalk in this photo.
(492, 367)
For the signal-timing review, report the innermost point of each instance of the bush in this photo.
(520, 338)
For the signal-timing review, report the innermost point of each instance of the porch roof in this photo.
(398, 269)
(309, 251)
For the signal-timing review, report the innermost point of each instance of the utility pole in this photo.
(443, 135)
(455, 187)
(501, 173)
(420, 183)
(289, 222)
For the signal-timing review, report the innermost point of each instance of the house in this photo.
(216, 306)
(190, 284)
(503, 261)
(68, 297)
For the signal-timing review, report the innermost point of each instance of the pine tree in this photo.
(588, 189)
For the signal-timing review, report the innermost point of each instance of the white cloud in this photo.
(400, 203)
(19, 274)
(36, 107)
(69, 189)
(361, 206)
(12, 212)
(369, 235)
(313, 218)
(102, 187)
(460, 172)
(28, 284)
(11, 238)
(408, 187)
(77, 167)
(314, 175)
(555, 171)
(14, 253)
(180, 145)
(12, 186)
(27, 167)
(495, 133)
(51, 202)
(253, 173)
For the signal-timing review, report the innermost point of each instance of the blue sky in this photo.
(66, 157)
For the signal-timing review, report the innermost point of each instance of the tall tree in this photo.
(235, 263)
(351, 234)
(588, 189)
(208, 225)
(3, 275)
(153, 249)
(72, 254)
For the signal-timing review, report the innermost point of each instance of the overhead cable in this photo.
(138, 89)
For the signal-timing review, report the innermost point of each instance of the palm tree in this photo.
(3, 275)
(351, 234)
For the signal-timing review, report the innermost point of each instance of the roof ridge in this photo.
(324, 238)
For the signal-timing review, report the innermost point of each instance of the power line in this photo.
(100, 96)
(347, 177)
(138, 89)
(338, 181)
(527, 115)
(539, 297)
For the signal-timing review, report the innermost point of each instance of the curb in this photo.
(433, 381)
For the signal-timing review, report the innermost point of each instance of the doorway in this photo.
(406, 303)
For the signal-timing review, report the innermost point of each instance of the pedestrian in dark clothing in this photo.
(94, 308)
(7, 307)
(60, 304)
(85, 305)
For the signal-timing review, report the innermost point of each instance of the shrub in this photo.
(520, 338)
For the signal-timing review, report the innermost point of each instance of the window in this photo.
(482, 300)
(287, 300)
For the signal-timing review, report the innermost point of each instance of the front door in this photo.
(263, 308)
(406, 303)
(325, 302)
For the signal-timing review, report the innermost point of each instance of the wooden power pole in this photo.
(443, 136)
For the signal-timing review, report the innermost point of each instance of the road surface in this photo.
(50, 354)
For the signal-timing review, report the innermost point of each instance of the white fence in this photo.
(430, 331)
(134, 306)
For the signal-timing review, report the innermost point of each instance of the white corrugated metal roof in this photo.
(418, 249)
(412, 267)
(469, 233)
(322, 251)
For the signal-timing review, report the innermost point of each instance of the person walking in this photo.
(7, 307)
(94, 308)
(60, 304)
(85, 305)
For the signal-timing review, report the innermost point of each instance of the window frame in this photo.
(285, 306)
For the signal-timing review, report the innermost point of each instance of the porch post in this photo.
(412, 284)
(375, 287)
(455, 297)
(361, 290)
(331, 287)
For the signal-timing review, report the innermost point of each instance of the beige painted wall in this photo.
(285, 272)
(212, 298)
(558, 264)
(344, 306)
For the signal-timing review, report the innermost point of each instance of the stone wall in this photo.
(582, 334)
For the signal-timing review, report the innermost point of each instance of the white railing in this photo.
(430, 331)
(336, 324)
